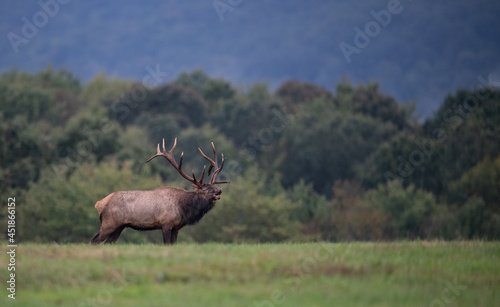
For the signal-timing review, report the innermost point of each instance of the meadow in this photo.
(406, 273)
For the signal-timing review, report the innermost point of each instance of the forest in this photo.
(305, 164)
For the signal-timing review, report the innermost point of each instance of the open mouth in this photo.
(217, 195)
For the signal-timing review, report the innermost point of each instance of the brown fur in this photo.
(102, 203)
(166, 208)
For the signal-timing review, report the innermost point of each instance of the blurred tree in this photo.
(217, 91)
(444, 224)
(352, 217)
(324, 145)
(472, 218)
(406, 157)
(158, 125)
(214, 91)
(185, 105)
(408, 209)
(135, 147)
(466, 130)
(49, 95)
(369, 101)
(248, 213)
(312, 204)
(482, 180)
(294, 92)
(33, 103)
(197, 80)
(476, 197)
(300, 141)
(25, 148)
(102, 91)
(88, 137)
(60, 209)
(244, 118)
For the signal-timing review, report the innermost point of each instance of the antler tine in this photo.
(180, 161)
(220, 169)
(206, 157)
(222, 162)
(216, 173)
(202, 173)
(212, 162)
(158, 153)
(215, 155)
(214, 165)
(173, 146)
(170, 157)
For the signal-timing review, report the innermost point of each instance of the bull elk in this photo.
(165, 208)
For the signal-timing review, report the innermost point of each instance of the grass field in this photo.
(418, 273)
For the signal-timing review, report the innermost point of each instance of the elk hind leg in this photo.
(108, 234)
(115, 235)
(97, 239)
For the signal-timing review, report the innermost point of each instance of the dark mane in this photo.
(194, 208)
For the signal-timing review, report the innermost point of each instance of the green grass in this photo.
(416, 273)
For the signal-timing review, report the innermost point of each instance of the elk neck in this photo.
(194, 206)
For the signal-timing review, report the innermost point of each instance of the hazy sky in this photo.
(417, 50)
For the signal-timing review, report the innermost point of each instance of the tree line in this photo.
(304, 163)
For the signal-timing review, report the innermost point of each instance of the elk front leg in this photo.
(173, 237)
(167, 234)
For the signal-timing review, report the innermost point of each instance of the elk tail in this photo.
(102, 203)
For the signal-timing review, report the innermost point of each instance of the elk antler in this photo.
(170, 157)
(213, 164)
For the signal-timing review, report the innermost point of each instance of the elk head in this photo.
(206, 190)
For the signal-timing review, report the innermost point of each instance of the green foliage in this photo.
(187, 107)
(354, 218)
(327, 144)
(311, 204)
(244, 118)
(477, 198)
(102, 92)
(403, 274)
(407, 209)
(61, 209)
(251, 210)
(304, 163)
(197, 80)
(88, 137)
(482, 180)
(466, 130)
(369, 101)
(294, 93)
(406, 157)
(25, 148)
(49, 95)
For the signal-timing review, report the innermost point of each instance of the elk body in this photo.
(165, 208)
